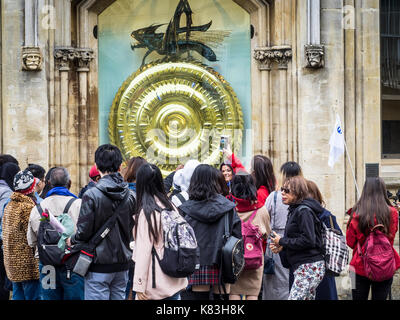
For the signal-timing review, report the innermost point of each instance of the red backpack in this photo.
(253, 244)
(377, 255)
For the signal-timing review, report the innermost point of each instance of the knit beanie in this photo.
(182, 177)
(94, 172)
(24, 182)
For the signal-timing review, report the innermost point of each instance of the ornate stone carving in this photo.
(63, 56)
(31, 59)
(84, 56)
(315, 55)
(283, 54)
(266, 55)
(67, 55)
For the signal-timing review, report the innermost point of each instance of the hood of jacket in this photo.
(113, 186)
(5, 190)
(207, 211)
(313, 205)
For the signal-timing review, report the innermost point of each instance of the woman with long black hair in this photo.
(148, 233)
(372, 209)
(205, 211)
(262, 172)
(251, 212)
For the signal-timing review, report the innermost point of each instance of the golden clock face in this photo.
(170, 112)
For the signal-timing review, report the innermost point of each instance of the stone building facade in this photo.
(310, 60)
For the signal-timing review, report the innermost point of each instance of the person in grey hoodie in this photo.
(7, 172)
(204, 211)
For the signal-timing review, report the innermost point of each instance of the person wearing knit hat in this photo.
(94, 176)
(21, 266)
(24, 182)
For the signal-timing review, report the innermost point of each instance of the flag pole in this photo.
(351, 167)
(348, 158)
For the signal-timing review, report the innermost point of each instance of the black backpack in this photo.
(47, 239)
(232, 255)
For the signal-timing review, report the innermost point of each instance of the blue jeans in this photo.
(55, 284)
(130, 284)
(176, 296)
(106, 286)
(26, 290)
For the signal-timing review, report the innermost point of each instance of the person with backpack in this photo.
(255, 229)
(20, 263)
(206, 211)
(371, 231)
(302, 241)
(154, 212)
(182, 180)
(110, 201)
(57, 282)
(130, 176)
(276, 278)
(327, 288)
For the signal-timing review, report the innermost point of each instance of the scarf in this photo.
(243, 205)
(60, 191)
(132, 186)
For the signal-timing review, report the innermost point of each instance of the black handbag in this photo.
(269, 263)
(232, 255)
(80, 256)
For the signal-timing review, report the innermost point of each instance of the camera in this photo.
(224, 142)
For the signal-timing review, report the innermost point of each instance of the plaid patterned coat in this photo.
(19, 259)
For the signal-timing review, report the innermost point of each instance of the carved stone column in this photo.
(282, 55)
(31, 55)
(314, 50)
(64, 57)
(264, 57)
(84, 56)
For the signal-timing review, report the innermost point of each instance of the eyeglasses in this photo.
(285, 190)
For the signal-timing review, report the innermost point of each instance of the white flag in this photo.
(336, 142)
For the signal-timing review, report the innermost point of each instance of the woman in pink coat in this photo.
(148, 282)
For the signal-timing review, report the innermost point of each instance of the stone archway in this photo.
(274, 110)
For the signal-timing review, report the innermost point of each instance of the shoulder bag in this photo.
(81, 255)
(269, 263)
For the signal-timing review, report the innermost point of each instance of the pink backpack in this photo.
(378, 257)
(253, 244)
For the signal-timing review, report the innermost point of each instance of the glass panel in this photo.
(390, 43)
(174, 75)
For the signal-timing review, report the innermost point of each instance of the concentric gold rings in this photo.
(170, 112)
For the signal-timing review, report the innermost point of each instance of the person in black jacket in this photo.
(301, 244)
(108, 274)
(205, 211)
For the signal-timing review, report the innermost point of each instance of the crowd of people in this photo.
(123, 258)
